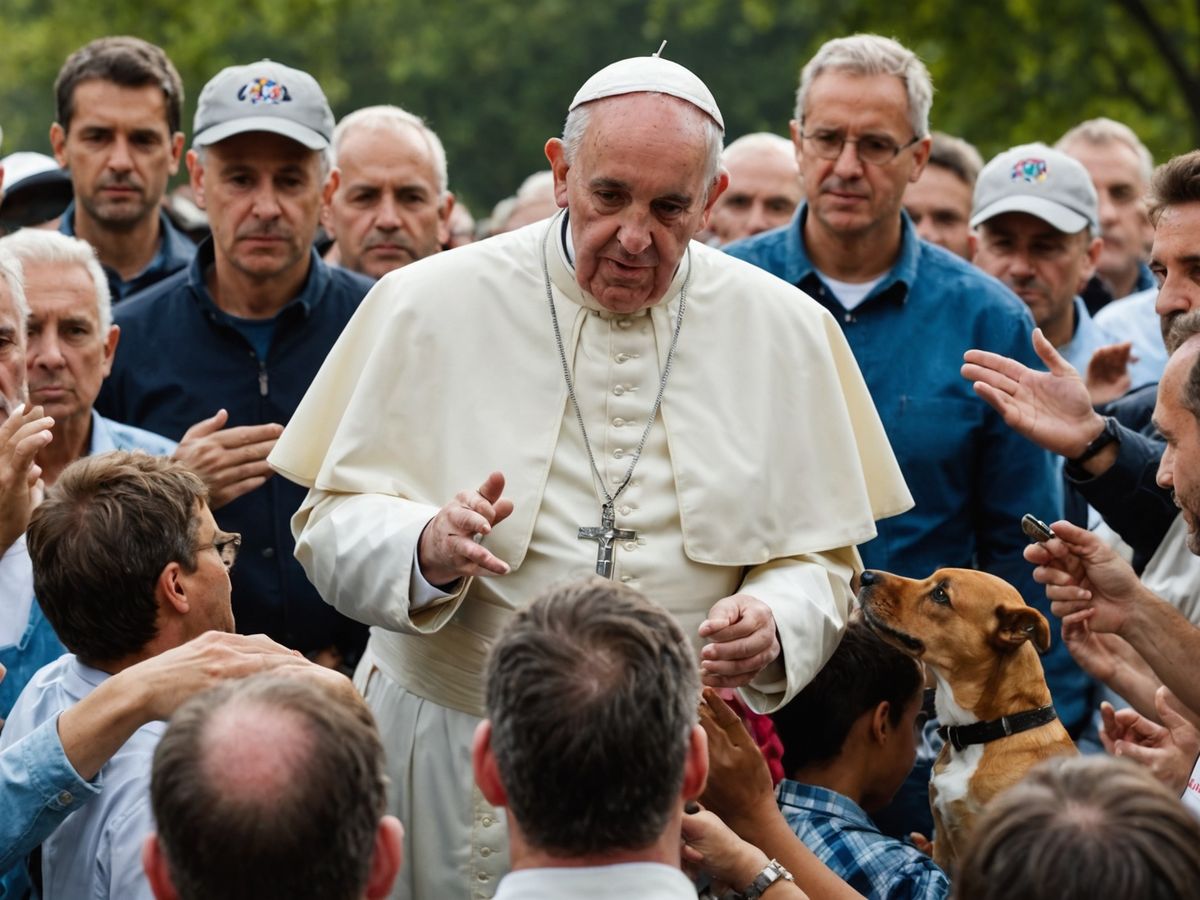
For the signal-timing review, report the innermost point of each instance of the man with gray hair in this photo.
(679, 458)
(909, 310)
(390, 204)
(939, 202)
(764, 187)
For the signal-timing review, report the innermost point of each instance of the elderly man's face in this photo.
(1124, 222)
(764, 191)
(119, 149)
(12, 352)
(68, 356)
(1045, 267)
(262, 192)
(637, 194)
(387, 210)
(1179, 468)
(846, 196)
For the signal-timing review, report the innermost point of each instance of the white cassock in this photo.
(766, 466)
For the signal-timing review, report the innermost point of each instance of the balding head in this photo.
(272, 787)
(764, 187)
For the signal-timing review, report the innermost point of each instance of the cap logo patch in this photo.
(1029, 170)
(264, 90)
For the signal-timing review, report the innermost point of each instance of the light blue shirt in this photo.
(1087, 339)
(38, 789)
(96, 853)
(108, 435)
(1133, 319)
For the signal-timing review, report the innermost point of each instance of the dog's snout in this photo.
(868, 577)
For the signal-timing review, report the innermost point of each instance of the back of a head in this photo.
(107, 528)
(269, 788)
(1079, 828)
(592, 693)
(863, 672)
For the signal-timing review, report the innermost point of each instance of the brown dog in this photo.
(978, 637)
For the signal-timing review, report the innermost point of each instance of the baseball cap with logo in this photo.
(1040, 181)
(263, 96)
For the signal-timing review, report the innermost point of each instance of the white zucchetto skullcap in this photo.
(649, 74)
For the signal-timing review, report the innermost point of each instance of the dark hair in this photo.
(126, 61)
(1175, 182)
(1082, 827)
(107, 529)
(311, 838)
(956, 156)
(863, 672)
(592, 692)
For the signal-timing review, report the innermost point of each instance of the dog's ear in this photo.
(1018, 624)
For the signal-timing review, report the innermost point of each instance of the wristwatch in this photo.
(1111, 434)
(773, 872)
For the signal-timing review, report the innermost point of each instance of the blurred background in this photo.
(494, 78)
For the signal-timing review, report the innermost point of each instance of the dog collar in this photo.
(961, 736)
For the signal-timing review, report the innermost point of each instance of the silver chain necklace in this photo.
(607, 533)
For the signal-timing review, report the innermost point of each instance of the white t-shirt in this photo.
(850, 294)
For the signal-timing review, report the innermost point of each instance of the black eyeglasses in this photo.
(876, 149)
(226, 545)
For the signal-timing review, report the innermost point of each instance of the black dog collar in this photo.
(961, 736)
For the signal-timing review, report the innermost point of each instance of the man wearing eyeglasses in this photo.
(909, 310)
(128, 563)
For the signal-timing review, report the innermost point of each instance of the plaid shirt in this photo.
(844, 838)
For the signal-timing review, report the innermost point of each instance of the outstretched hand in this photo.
(1168, 750)
(448, 549)
(1108, 372)
(232, 461)
(742, 641)
(1082, 574)
(739, 781)
(1053, 409)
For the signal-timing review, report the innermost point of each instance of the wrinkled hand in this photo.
(1083, 574)
(742, 641)
(1053, 409)
(22, 435)
(1168, 750)
(171, 678)
(1108, 372)
(739, 781)
(448, 551)
(712, 848)
(232, 461)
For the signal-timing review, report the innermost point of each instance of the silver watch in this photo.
(773, 872)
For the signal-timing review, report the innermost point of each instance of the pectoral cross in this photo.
(605, 536)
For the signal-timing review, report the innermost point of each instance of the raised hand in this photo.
(232, 461)
(448, 549)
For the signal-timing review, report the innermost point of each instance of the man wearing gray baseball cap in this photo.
(239, 335)
(1038, 220)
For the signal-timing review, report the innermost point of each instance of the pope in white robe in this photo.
(763, 468)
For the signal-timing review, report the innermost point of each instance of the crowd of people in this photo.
(593, 573)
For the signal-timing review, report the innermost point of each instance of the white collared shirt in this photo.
(645, 880)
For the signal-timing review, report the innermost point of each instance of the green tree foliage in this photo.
(494, 78)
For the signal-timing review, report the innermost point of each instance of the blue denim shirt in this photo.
(972, 476)
(175, 251)
(38, 789)
(842, 836)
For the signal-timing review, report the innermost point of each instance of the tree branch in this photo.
(1187, 80)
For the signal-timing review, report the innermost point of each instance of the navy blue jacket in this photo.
(180, 360)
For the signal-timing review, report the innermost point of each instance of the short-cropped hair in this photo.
(872, 54)
(1102, 131)
(38, 245)
(1079, 828)
(311, 840)
(863, 672)
(125, 61)
(957, 156)
(106, 530)
(1175, 182)
(592, 692)
(393, 117)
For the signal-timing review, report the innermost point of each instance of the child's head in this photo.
(867, 698)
